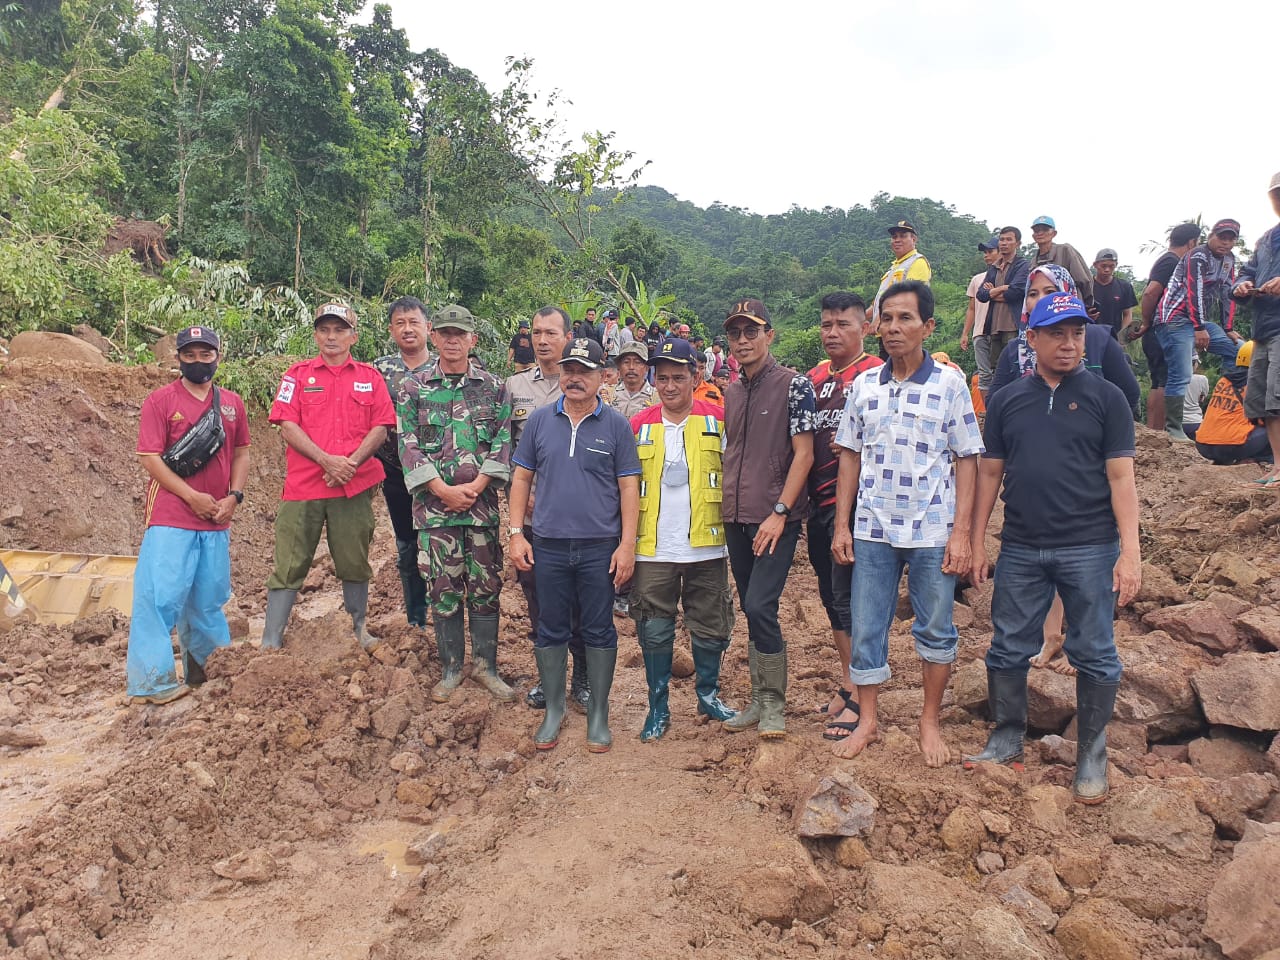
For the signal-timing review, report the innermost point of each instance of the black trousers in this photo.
(760, 580)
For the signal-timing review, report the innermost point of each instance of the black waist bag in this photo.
(192, 452)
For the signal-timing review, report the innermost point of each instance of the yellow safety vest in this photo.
(703, 439)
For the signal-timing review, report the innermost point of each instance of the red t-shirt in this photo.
(336, 407)
(167, 414)
(830, 389)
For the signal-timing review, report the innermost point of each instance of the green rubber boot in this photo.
(772, 668)
(748, 718)
(600, 664)
(279, 606)
(451, 643)
(707, 656)
(657, 641)
(553, 664)
(1173, 411)
(484, 657)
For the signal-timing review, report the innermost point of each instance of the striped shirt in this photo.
(1198, 282)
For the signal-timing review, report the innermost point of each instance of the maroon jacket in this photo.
(759, 454)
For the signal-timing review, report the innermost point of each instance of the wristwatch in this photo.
(781, 509)
(238, 494)
(514, 530)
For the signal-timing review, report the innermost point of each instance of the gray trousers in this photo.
(987, 348)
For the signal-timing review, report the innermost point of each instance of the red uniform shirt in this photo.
(830, 389)
(336, 407)
(167, 414)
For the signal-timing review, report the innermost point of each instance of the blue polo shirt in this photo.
(1055, 444)
(578, 470)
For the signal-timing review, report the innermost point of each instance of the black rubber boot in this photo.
(279, 606)
(579, 683)
(451, 643)
(707, 657)
(600, 664)
(192, 672)
(552, 662)
(484, 657)
(748, 718)
(411, 583)
(355, 600)
(1095, 703)
(1007, 701)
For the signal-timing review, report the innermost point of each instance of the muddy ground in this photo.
(314, 803)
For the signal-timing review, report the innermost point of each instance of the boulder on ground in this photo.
(836, 806)
(1157, 691)
(996, 934)
(963, 831)
(1051, 700)
(1201, 623)
(92, 337)
(1035, 875)
(1260, 625)
(1162, 818)
(1101, 930)
(40, 344)
(1224, 756)
(1241, 690)
(781, 895)
(1243, 910)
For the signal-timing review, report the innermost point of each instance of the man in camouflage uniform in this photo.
(410, 328)
(552, 330)
(455, 443)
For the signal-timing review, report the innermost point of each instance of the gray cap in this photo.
(1106, 253)
(636, 348)
(1275, 182)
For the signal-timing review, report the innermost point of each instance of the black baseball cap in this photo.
(901, 225)
(198, 334)
(675, 350)
(585, 351)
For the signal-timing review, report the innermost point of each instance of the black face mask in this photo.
(198, 372)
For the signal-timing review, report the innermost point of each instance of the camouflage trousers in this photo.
(461, 563)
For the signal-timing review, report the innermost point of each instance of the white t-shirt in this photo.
(979, 308)
(673, 509)
(1197, 393)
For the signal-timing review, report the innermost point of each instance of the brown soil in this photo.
(316, 803)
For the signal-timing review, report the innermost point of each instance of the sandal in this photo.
(822, 707)
(848, 726)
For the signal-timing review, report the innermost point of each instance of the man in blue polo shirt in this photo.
(584, 532)
(1062, 442)
(911, 443)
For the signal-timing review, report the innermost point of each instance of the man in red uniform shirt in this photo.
(843, 325)
(183, 575)
(333, 413)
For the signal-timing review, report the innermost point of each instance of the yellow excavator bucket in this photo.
(63, 587)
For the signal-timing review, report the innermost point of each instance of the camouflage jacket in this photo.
(393, 370)
(453, 428)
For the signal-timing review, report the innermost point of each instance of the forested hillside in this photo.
(233, 162)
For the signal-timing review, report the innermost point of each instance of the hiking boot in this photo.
(1095, 703)
(552, 662)
(484, 657)
(1007, 701)
(748, 718)
(279, 606)
(451, 642)
(165, 696)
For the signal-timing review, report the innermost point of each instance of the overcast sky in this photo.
(1118, 119)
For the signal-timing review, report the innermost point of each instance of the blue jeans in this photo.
(569, 574)
(182, 580)
(877, 569)
(1025, 581)
(1177, 340)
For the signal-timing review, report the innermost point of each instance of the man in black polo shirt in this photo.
(1062, 441)
(584, 532)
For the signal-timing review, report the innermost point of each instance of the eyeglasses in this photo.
(745, 332)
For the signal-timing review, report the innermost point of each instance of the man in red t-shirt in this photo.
(183, 576)
(843, 326)
(333, 413)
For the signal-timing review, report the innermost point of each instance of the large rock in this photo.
(781, 895)
(1201, 623)
(1158, 586)
(55, 346)
(1224, 756)
(1152, 884)
(84, 332)
(1243, 914)
(1101, 930)
(1035, 875)
(1157, 691)
(1231, 802)
(1162, 818)
(963, 831)
(836, 807)
(1231, 569)
(1051, 700)
(1242, 690)
(996, 934)
(1261, 625)
(969, 686)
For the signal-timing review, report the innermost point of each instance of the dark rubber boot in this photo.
(192, 672)
(772, 668)
(411, 583)
(451, 642)
(707, 656)
(484, 657)
(1007, 701)
(580, 683)
(600, 664)
(1173, 410)
(355, 600)
(748, 718)
(657, 672)
(1095, 703)
(279, 606)
(552, 662)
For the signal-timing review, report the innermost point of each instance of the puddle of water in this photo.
(393, 857)
(390, 840)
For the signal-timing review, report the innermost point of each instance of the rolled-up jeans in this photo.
(877, 569)
(1025, 581)
(569, 574)
(1177, 339)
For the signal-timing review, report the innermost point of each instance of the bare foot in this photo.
(935, 749)
(1060, 665)
(1051, 648)
(856, 742)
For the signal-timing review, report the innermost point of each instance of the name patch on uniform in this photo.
(363, 387)
(285, 393)
(313, 389)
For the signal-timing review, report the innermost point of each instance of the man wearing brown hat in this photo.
(770, 419)
(333, 413)
(908, 264)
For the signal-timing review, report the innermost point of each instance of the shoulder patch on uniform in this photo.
(285, 393)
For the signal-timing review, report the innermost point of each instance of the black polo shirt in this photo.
(1055, 445)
